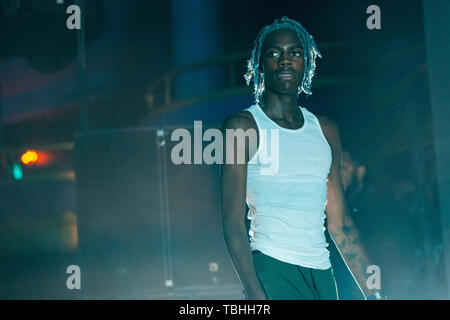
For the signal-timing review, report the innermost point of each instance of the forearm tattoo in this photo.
(348, 240)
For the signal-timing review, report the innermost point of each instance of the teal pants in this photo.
(285, 281)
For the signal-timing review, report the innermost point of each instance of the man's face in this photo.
(348, 170)
(282, 60)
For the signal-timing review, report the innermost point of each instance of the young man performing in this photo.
(287, 256)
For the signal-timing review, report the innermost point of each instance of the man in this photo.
(353, 173)
(287, 256)
(385, 226)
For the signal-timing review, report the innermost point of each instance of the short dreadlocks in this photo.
(310, 52)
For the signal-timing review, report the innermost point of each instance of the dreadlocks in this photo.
(310, 52)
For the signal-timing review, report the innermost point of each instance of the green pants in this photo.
(285, 281)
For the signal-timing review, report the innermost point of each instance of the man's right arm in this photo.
(233, 208)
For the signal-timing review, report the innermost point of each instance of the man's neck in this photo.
(281, 106)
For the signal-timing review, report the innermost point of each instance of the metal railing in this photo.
(160, 94)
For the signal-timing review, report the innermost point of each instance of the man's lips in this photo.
(286, 75)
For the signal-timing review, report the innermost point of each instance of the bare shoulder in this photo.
(330, 128)
(240, 120)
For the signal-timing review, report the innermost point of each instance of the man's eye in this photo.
(297, 54)
(273, 54)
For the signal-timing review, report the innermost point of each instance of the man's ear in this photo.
(361, 172)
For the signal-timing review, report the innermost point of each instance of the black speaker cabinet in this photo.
(146, 223)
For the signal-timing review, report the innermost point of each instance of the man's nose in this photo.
(285, 60)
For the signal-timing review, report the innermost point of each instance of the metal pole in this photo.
(165, 210)
(81, 47)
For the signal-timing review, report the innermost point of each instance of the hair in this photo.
(310, 52)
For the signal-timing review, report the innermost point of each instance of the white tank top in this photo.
(287, 203)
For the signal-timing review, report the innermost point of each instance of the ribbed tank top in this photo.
(287, 206)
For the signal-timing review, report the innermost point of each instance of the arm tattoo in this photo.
(348, 241)
(351, 256)
(342, 244)
(347, 230)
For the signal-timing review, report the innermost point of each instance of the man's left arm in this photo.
(339, 222)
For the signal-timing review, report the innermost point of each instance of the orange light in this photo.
(29, 157)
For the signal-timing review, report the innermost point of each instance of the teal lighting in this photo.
(17, 171)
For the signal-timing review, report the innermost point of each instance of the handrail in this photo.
(199, 65)
(162, 84)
